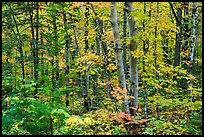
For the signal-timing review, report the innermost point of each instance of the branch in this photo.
(198, 7)
(172, 8)
(93, 9)
(4, 96)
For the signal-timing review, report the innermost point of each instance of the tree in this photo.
(124, 35)
(86, 76)
(178, 35)
(192, 47)
(36, 49)
(133, 61)
(118, 53)
(144, 71)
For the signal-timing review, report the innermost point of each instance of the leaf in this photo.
(123, 129)
(132, 97)
(60, 111)
(120, 101)
(134, 108)
(88, 121)
(41, 117)
(118, 97)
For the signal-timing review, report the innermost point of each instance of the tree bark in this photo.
(185, 45)
(186, 29)
(105, 53)
(36, 50)
(20, 49)
(76, 42)
(32, 44)
(133, 61)
(87, 102)
(105, 50)
(178, 39)
(66, 58)
(118, 53)
(124, 35)
(95, 76)
(56, 52)
(192, 47)
(155, 58)
(144, 70)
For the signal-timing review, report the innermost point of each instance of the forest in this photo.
(101, 68)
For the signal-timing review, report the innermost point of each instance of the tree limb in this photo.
(172, 8)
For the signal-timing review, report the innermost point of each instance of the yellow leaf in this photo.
(74, 120)
(123, 90)
(118, 97)
(132, 97)
(123, 129)
(127, 97)
(88, 121)
(111, 67)
(120, 101)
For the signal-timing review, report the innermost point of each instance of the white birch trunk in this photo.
(192, 46)
(118, 53)
(133, 61)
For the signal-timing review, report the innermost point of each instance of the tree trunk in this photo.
(118, 53)
(186, 29)
(56, 52)
(36, 51)
(79, 80)
(76, 42)
(20, 50)
(185, 46)
(42, 56)
(144, 71)
(178, 39)
(192, 47)
(66, 58)
(155, 58)
(133, 61)
(42, 62)
(87, 102)
(95, 76)
(105, 50)
(124, 35)
(32, 44)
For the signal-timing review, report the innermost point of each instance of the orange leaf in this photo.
(120, 101)
(143, 121)
(134, 108)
